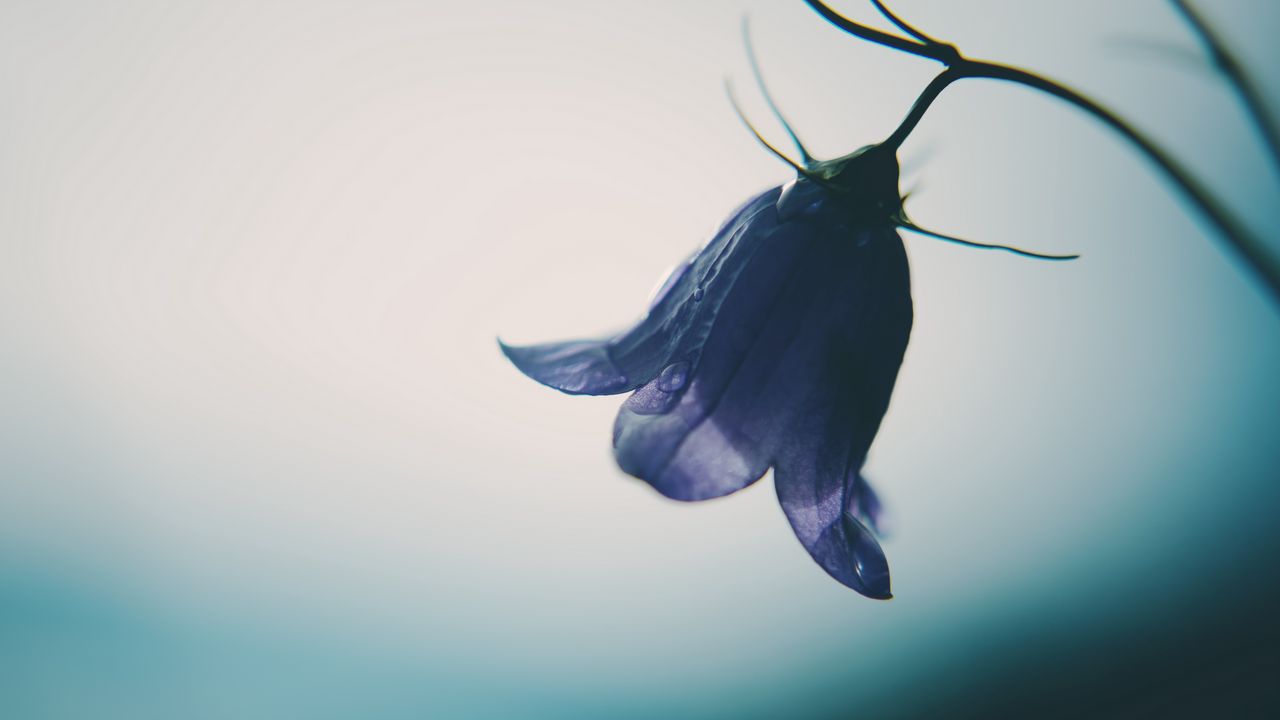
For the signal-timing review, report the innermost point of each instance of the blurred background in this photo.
(260, 456)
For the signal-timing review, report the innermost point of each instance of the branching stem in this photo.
(1248, 247)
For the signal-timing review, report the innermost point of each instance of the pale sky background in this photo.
(261, 457)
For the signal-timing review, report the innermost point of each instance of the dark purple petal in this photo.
(821, 489)
(796, 372)
(818, 471)
(577, 367)
(714, 433)
(814, 487)
(675, 327)
(798, 304)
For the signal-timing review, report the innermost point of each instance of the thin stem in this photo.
(800, 169)
(903, 25)
(1238, 238)
(878, 37)
(983, 246)
(805, 158)
(1240, 80)
(922, 103)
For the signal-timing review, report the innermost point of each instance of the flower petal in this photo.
(676, 325)
(577, 367)
(716, 433)
(820, 485)
(818, 470)
(814, 494)
(808, 298)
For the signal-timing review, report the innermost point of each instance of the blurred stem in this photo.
(1245, 245)
(1226, 62)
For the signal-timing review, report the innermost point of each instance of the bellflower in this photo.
(777, 345)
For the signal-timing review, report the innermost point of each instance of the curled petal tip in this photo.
(580, 367)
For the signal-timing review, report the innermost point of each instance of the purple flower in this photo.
(775, 345)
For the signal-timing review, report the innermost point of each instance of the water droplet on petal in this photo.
(697, 294)
(673, 377)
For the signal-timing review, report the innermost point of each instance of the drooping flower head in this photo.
(776, 345)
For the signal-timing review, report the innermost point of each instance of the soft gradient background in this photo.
(261, 458)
